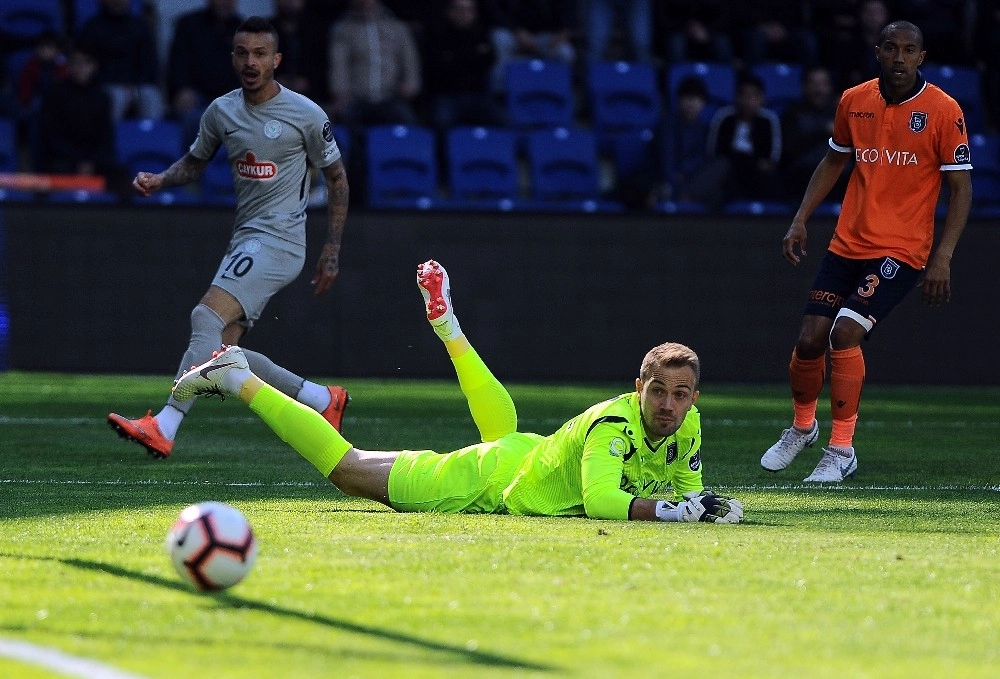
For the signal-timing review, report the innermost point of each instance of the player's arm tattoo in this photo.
(338, 198)
(184, 171)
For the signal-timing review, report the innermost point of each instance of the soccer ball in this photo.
(212, 545)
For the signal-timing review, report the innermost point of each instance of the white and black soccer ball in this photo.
(212, 545)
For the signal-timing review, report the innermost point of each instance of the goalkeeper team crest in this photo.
(918, 121)
(889, 268)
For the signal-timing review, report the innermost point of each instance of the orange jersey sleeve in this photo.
(899, 153)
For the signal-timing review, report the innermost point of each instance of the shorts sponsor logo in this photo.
(671, 451)
(829, 299)
(272, 129)
(962, 154)
(889, 268)
(918, 121)
(251, 168)
(251, 247)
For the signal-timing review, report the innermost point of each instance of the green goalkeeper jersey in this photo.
(601, 460)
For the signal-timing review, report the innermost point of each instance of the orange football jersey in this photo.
(899, 152)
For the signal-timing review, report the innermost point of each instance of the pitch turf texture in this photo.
(892, 574)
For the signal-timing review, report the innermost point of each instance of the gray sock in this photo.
(206, 337)
(285, 381)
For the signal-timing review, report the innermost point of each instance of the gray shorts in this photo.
(256, 266)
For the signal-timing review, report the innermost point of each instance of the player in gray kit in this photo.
(272, 135)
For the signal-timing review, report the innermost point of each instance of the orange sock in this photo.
(847, 377)
(806, 379)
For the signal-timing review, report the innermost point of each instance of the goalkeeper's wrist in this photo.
(667, 511)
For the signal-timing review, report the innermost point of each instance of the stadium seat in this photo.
(782, 84)
(342, 135)
(564, 170)
(623, 96)
(216, 182)
(720, 79)
(8, 145)
(92, 197)
(31, 18)
(759, 208)
(986, 169)
(84, 9)
(539, 94)
(963, 84)
(482, 165)
(402, 166)
(147, 145)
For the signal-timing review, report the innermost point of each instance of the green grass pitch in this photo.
(892, 574)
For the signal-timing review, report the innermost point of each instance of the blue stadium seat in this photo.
(986, 169)
(30, 18)
(539, 93)
(402, 166)
(482, 165)
(624, 96)
(782, 84)
(964, 85)
(8, 145)
(720, 79)
(342, 135)
(564, 170)
(148, 145)
(92, 197)
(759, 208)
(84, 9)
(216, 181)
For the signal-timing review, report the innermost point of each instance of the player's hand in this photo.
(327, 269)
(718, 508)
(691, 510)
(147, 183)
(794, 237)
(935, 285)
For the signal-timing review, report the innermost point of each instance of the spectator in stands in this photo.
(539, 29)
(76, 127)
(634, 17)
(200, 67)
(806, 128)
(126, 53)
(374, 67)
(848, 48)
(288, 20)
(46, 67)
(458, 57)
(987, 37)
(694, 30)
(776, 30)
(748, 136)
(691, 174)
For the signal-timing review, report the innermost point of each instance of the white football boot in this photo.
(213, 378)
(435, 288)
(836, 465)
(792, 442)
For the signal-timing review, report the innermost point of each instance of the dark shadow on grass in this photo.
(226, 599)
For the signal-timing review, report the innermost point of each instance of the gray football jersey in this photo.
(270, 147)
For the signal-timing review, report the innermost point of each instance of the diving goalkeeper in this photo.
(605, 463)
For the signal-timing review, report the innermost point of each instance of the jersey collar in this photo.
(918, 87)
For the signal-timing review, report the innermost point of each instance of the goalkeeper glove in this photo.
(718, 508)
(689, 510)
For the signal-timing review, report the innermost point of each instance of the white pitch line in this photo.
(321, 484)
(62, 663)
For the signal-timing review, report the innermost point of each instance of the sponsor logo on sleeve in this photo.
(962, 154)
(695, 462)
(617, 447)
(327, 132)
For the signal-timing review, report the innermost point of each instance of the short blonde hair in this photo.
(672, 355)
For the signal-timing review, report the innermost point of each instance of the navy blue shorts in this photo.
(865, 290)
